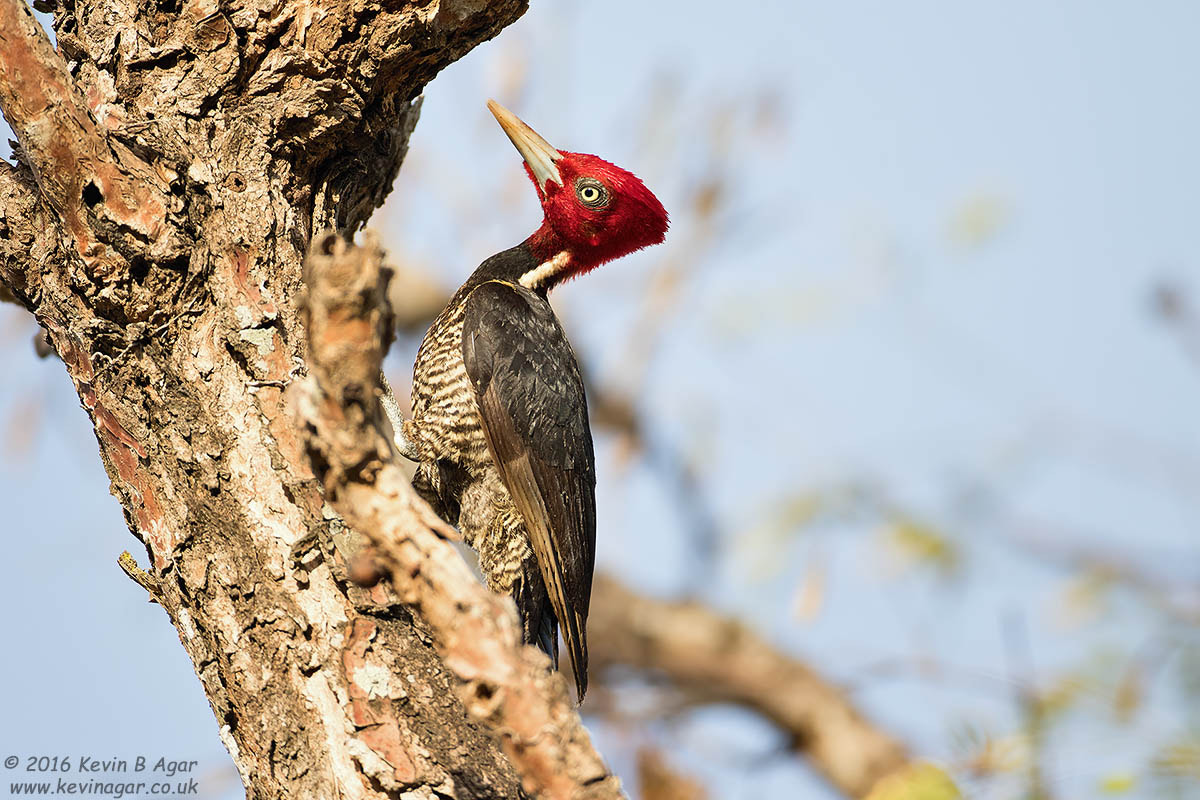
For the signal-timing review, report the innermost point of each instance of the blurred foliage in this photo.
(1118, 784)
(1180, 758)
(768, 537)
(978, 220)
(980, 754)
(922, 544)
(918, 782)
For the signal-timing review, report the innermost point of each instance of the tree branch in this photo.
(658, 781)
(505, 685)
(722, 660)
(100, 199)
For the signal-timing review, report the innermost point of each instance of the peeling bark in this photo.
(174, 160)
(27, 236)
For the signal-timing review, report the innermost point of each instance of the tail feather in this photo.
(575, 634)
(540, 626)
(547, 634)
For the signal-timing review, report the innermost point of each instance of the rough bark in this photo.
(174, 160)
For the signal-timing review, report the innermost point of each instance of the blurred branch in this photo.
(506, 686)
(1053, 543)
(930, 670)
(1073, 550)
(1172, 305)
(719, 659)
(416, 298)
(1031, 709)
(657, 781)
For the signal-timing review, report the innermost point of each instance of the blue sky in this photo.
(938, 279)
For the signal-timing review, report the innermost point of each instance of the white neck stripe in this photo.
(546, 270)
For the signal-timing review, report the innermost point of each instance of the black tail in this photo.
(546, 635)
(575, 635)
(540, 626)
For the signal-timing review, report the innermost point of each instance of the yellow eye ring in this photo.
(591, 192)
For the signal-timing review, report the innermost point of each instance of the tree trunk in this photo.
(175, 161)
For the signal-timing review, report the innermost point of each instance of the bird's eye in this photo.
(591, 192)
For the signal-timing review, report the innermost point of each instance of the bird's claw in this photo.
(391, 410)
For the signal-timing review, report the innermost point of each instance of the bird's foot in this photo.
(402, 445)
(391, 409)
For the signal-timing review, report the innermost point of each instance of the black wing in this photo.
(531, 401)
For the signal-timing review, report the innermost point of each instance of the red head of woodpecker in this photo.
(594, 211)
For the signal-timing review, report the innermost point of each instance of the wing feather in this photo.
(534, 413)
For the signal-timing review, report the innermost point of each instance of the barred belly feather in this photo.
(445, 416)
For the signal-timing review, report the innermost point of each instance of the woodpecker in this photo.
(499, 423)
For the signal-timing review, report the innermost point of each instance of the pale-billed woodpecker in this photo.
(499, 421)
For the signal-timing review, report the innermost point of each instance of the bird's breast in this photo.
(443, 400)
